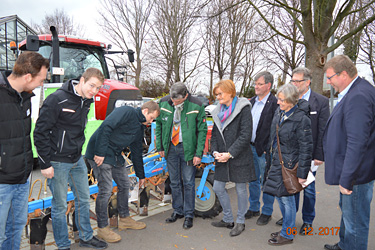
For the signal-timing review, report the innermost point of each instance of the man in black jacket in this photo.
(58, 137)
(264, 105)
(123, 128)
(319, 113)
(16, 157)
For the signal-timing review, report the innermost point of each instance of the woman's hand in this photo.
(222, 157)
(302, 181)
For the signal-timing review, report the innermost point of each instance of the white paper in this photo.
(309, 180)
(314, 167)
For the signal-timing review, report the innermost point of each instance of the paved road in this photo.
(160, 236)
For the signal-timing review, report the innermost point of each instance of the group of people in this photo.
(252, 140)
(59, 137)
(250, 143)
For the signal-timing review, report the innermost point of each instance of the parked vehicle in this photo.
(70, 57)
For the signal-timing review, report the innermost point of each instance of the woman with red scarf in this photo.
(230, 144)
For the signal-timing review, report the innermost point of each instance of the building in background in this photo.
(12, 29)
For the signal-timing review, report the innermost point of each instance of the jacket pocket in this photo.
(60, 144)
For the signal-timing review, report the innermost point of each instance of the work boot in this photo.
(108, 235)
(129, 223)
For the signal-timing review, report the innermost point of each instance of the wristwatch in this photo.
(231, 156)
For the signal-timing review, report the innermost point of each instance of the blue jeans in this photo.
(76, 175)
(104, 175)
(13, 214)
(255, 186)
(355, 218)
(182, 179)
(287, 206)
(309, 198)
(222, 194)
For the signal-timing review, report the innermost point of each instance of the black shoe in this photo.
(280, 222)
(250, 214)
(237, 230)
(222, 223)
(93, 243)
(188, 223)
(332, 247)
(263, 219)
(305, 229)
(173, 218)
(275, 234)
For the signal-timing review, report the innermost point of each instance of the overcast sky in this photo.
(82, 11)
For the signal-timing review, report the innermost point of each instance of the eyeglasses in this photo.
(281, 100)
(297, 81)
(329, 78)
(259, 84)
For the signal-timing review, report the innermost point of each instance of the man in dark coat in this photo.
(263, 108)
(59, 137)
(319, 113)
(16, 157)
(349, 146)
(123, 128)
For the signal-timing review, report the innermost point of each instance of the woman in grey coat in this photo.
(230, 144)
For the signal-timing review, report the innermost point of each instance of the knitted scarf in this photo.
(225, 111)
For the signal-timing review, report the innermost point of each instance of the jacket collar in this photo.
(141, 117)
(241, 103)
(4, 83)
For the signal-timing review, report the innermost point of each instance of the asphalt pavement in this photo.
(161, 236)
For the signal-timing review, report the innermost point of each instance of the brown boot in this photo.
(129, 223)
(108, 235)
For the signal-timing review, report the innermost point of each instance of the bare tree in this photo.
(63, 23)
(173, 37)
(367, 46)
(284, 54)
(317, 22)
(126, 23)
(229, 46)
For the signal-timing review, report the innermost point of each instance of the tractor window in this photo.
(76, 60)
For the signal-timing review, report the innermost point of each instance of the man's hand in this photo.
(196, 161)
(98, 160)
(141, 183)
(317, 162)
(345, 191)
(48, 172)
(161, 153)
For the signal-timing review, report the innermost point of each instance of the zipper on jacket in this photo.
(62, 141)
(187, 123)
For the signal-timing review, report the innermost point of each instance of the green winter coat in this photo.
(193, 126)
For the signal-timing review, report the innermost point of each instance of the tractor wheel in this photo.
(207, 206)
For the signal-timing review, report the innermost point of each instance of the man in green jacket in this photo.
(180, 137)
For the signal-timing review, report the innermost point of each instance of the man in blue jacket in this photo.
(16, 156)
(123, 128)
(349, 146)
(58, 137)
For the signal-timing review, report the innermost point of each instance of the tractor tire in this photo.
(208, 206)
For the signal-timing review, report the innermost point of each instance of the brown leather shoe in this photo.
(279, 240)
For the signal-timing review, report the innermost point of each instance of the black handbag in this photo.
(290, 178)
